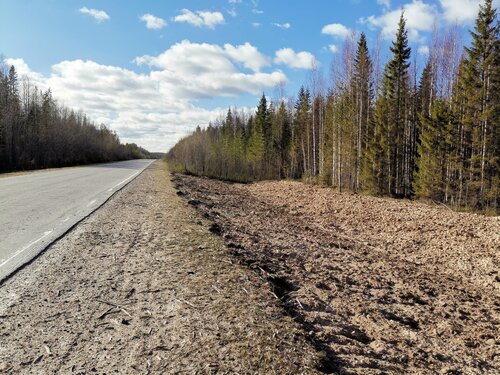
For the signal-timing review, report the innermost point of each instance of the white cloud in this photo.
(201, 70)
(419, 16)
(24, 71)
(336, 29)
(191, 58)
(234, 1)
(461, 10)
(257, 11)
(385, 3)
(153, 22)
(200, 18)
(297, 60)
(333, 48)
(248, 55)
(256, 24)
(156, 108)
(283, 26)
(99, 15)
(424, 50)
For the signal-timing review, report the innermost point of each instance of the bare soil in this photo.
(382, 286)
(142, 286)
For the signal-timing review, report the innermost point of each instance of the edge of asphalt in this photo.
(51, 169)
(43, 250)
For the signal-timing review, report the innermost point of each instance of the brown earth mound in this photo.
(380, 285)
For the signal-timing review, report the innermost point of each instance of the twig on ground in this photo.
(187, 303)
(105, 313)
(114, 305)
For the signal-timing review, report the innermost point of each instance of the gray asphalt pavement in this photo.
(38, 207)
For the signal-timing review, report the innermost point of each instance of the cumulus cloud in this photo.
(200, 18)
(419, 16)
(191, 58)
(183, 70)
(283, 26)
(153, 22)
(296, 60)
(99, 15)
(24, 71)
(462, 10)
(156, 108)
(336, 29)
(248, 55)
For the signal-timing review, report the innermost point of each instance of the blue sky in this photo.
(154, 70)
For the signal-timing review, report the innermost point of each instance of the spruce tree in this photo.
(397, 74)
(281, 135)
(300, 141)
(363, 92)
(256, 150)
(425, 91)
(434, 150)
(391, 143)
(480, 82)
(375, 172)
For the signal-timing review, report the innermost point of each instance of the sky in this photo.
(154, 70)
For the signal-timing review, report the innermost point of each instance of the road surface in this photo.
(37, 208)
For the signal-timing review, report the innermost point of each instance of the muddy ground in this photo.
(142, 286)
(382, 286)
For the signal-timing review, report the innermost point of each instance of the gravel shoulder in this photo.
(382, 286)
(142, 286)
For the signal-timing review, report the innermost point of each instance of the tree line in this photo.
(389, 133)
(37, 132)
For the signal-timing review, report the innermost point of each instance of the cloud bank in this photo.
(156, 108)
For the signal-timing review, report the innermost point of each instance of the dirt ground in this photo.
(142, 286)
(382, 286)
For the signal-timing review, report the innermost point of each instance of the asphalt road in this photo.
(36, 208)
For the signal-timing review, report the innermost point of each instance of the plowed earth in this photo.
(380, 285)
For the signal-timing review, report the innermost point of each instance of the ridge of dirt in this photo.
(141, 286)
(382, 286)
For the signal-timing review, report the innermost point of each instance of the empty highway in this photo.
(38, 207)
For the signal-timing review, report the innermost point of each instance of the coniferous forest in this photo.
(36, 132)
(400, 131)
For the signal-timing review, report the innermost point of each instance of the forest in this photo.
(430, 133)
(36, 132)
